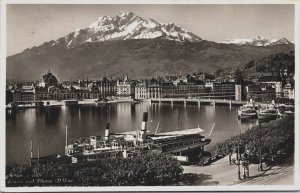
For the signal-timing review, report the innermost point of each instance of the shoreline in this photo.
(91, 102)
(56, 103)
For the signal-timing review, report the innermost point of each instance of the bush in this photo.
(147, 169)
(274, 139)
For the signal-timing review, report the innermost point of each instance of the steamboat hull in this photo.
(185, 149)
(267, 116)
(248, 116)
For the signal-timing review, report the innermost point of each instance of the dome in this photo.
(49, 79)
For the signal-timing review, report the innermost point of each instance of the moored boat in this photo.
(289, 110)
(102, 101)
(268, 113)
(134, 143)
(247, 113)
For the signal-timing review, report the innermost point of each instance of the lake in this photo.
(47, 128)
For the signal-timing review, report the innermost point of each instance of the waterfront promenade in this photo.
(32, 104)
(221, 173)
(171, 101)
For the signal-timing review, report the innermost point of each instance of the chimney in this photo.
(106, 137)
(144, 126)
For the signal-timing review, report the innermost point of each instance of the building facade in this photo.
(125, 89)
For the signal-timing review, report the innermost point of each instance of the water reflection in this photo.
(48, 126)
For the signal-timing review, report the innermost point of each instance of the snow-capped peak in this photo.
(257, 41)
(122, 14)
(125, 26)
(280, 41)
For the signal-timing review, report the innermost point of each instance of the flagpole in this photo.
(38, 154)
(31, 147)
(66, 135)
(238, 161)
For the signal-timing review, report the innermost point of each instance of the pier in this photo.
(197, 101)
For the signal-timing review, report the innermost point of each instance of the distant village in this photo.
(261, 87)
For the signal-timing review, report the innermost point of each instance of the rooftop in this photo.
(270, 79)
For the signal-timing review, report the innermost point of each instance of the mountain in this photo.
(275, 63)
(127, 43)
(257, 41)
(125, 26)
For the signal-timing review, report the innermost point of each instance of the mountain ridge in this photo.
(125, 26)
(138, 58)
(166, 50)
(257, 41)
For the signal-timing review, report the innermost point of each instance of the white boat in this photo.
(247, 113)
(289, 110)
(251, 106)
(102, 101)
(268, 113)
(133, 143)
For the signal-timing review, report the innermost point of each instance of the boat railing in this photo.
(182, 144)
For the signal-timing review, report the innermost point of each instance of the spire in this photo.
(126, 77)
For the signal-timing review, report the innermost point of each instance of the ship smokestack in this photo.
(144, 125)
(106, 137)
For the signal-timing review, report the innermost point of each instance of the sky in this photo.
(31, 25)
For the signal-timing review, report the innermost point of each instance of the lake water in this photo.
(47, 128)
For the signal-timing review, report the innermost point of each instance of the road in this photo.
(222, 173)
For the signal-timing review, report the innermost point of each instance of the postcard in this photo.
(149, 96)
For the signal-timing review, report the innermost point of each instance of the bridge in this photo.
(197, 101)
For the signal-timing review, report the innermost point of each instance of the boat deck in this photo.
(173, 134)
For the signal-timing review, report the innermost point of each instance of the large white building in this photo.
(125, 89)
(289, 91)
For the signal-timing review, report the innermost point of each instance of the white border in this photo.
(297, 93)
(2, 93)
(146, 188)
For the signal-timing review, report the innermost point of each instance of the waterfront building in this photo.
(177, 81)
(167, 89)
(148, 89)
(154, 89)
(9, 96)
(209, 84)
(201, 77)
(238, 92)
(224, 87)
(272, 81)
(170, 78)
(24, 95)
(41, 93)
(222, 90)
(107, 87)
(48, 80)
(182, 89)
(23, 92)
(141, 90)
(260, 93)
(289, 91)
(125, 88)
(50, 89)
(254, 76)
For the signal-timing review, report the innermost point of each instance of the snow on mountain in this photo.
(257, 41)
(280, 41)
(126, 26)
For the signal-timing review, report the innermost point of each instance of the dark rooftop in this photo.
(270, 79)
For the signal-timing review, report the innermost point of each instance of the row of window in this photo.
(181, 144)
(101, 156)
